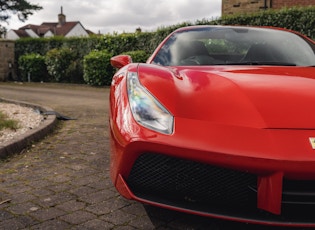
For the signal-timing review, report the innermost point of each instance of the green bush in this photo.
(64, 66)
(33, 66)
(138, 56)
(97, 68)
(37, 45)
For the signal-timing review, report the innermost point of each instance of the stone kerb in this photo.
(17, 145)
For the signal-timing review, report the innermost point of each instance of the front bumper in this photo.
(213, 191)
(235, 173)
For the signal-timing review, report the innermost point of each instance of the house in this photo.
(251, 6)
(50, 29)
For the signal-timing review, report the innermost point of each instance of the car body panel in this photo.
(215, 90)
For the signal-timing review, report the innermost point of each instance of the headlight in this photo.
(146, 110)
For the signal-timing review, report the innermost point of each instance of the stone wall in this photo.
(252, 6)
(6, 60)
(278, 4)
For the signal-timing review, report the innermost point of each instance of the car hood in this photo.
(260, 97)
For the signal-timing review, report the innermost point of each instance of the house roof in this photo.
(60, 28)
(54, 27)
(21, 33)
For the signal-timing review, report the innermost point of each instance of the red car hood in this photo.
(260, 97)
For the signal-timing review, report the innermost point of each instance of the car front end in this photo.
(235, 165)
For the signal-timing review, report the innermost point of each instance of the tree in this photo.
(22, 8)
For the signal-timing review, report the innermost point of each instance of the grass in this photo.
(6, 123)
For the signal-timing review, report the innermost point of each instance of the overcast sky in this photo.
(108, 16)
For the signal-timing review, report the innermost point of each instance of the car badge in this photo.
(312, 141)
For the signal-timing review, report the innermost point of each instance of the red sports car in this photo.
(219, 122)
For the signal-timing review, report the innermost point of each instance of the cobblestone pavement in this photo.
(62, 181)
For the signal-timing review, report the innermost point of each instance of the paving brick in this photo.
(40, 192)
(22, 208)
(99, 208)
(56, 199)
(78, 217)
(5, 215)
(17, 198)
(47, 214)
(97, 197)
(119, 218)
(11, 224)
(18, 188)
(71, 206)
(144, 222)
(19, 222)
(89, 179)
(51, 225)
(95, 224)
(58, 188)
(83, 191)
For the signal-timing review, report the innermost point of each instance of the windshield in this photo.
(235, 46)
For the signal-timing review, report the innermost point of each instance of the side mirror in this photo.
(120, 61)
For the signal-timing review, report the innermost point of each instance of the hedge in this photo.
(64, 65)
(32, 67)
(296, 18)
(97, 68)
(138, 56)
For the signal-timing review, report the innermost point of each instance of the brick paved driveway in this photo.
(62, 182)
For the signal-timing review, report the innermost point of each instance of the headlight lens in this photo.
(146, 110)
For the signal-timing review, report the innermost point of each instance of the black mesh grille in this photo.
(190, 184)
(211, 189)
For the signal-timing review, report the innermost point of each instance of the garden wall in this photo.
(6, 60)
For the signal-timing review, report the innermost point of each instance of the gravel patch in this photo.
(27, 119)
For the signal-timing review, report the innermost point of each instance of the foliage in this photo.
(301, 19)
(6, 123)
(138, 56)
(69, 68)
(37, 45)
(22, 8)
(33, 65)
(97, 68)
(64, 66)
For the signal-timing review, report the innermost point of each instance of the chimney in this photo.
(61, 18)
